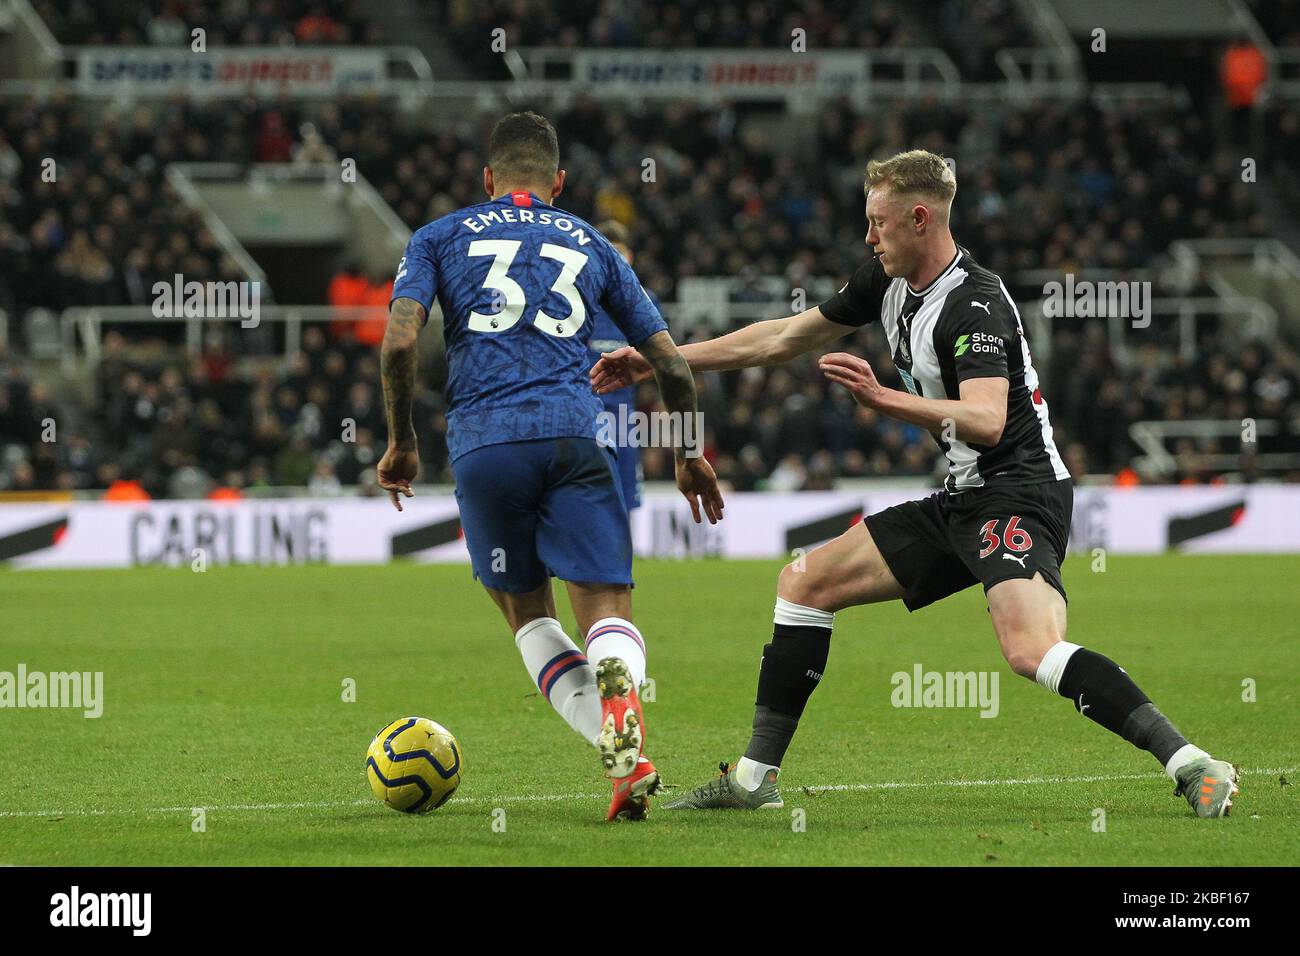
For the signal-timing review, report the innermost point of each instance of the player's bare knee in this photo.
(788, 583)
(1023, 660)
(798, 585)
(1024, 645)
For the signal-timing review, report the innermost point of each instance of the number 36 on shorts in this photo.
(1015, 538)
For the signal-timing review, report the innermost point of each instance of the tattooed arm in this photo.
(695, 477)
(676, 386)
(397, 362)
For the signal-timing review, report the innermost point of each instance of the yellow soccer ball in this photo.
(414, 765)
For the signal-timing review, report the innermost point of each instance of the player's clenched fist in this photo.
(696, 480)
(396, 471)
(853, 373)
(619, 369)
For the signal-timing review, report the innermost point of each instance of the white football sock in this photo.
(750, 773)
(1181, 758)
(562, 674)
(617, 637)
(1052, 666)
(797, 615)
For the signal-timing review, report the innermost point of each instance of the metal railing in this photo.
(179, 178)
(1039, 68)
(31, 20)
(713, 306)
(1158, 462)
(1046, 23)
(1284, 65)
(81, 328)
(1268, 256)
(327, 174)
(1240, 14)
(1259, 320)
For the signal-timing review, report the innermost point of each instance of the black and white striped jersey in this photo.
(962, 325)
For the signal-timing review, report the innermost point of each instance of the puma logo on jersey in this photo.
(982, 305)
(1012, 557)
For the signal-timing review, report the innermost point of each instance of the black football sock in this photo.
(772, 734)
(1103, 692)
(793, 664)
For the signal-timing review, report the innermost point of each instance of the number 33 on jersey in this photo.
(517, 280)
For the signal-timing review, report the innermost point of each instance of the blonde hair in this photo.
(917, 172)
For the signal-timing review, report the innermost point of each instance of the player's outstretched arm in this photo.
(978, 416)
(695, 477)
(397, 362)
(763, 343)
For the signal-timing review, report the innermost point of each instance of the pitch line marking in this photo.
(562, 797)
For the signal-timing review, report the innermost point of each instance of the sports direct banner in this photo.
(228, 70)
(732, 73)
(1249, 519)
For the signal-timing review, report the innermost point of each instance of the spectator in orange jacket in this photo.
(1243, 71)
(347, 290)
(370, 331)
(126, 489)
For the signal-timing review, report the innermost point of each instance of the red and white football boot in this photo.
(622, 740)
(631, 799)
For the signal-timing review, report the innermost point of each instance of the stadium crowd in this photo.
(724, 196)
(184, 428)
(970, 31)
(1068, 188)
(226, 22)
(87, 215)
(77, 239)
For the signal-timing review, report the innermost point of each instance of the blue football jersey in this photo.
(606, 337)
(520, 284)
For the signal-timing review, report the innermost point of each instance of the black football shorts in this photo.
(945, 543)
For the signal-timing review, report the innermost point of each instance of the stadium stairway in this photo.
(1267, 270)
(408, 20)
(1279, 286)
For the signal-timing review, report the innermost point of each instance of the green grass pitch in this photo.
(224, 690)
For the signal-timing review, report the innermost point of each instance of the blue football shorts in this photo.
(549, 507)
